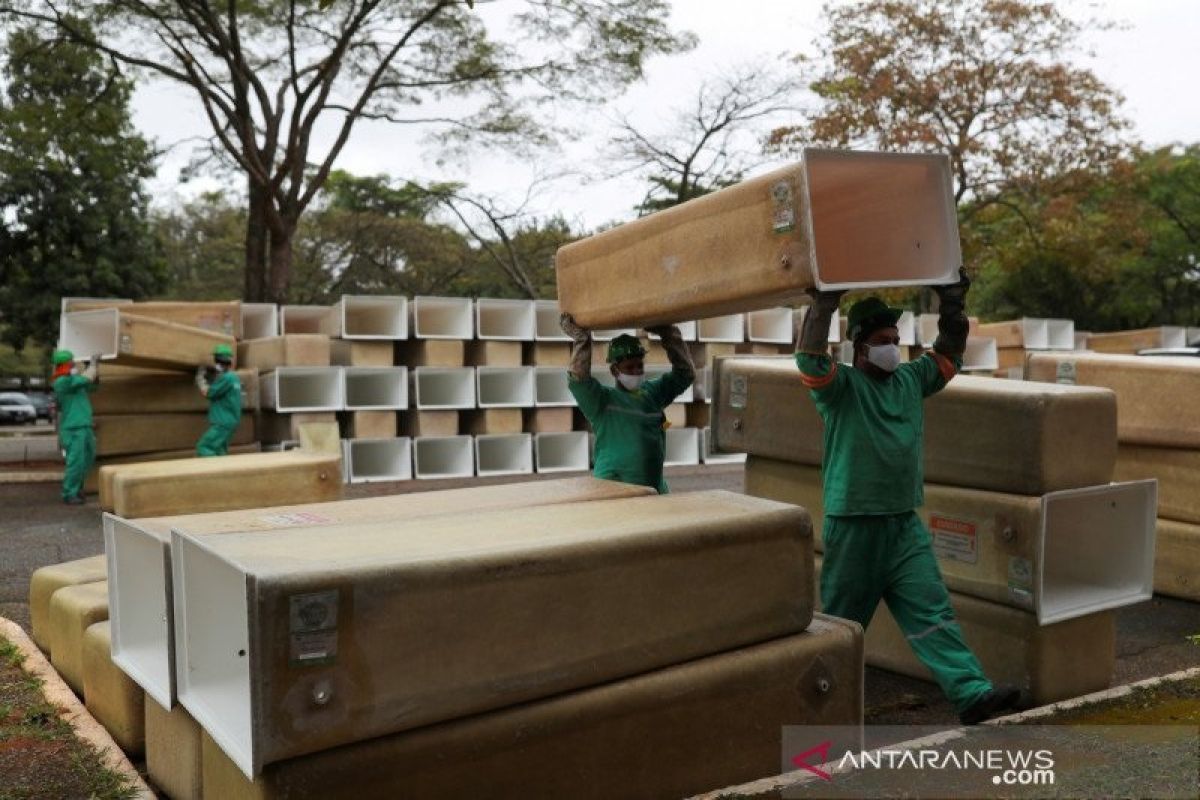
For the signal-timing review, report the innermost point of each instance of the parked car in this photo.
(43, 404)
(16, 408)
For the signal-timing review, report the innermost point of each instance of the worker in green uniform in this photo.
(224, 395)
(72, 385)
(628, 420)
(876, 546)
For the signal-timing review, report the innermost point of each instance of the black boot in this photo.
(77, 500)
(996, 700)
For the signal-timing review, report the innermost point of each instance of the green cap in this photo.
(62, 357)
(223, 351)
(624, 346)
(869, 315)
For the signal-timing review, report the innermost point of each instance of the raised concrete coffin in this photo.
(1006, 436)
(47, 580)
(1132, 341)
(196, 485)
(1177, 472)
(292, 350)
(337, 634)
(1177, 559)
(166, 393)
(139, 553)
(113, 699)
(1047, 662)
(1061, 555)
(138, 341)
(837, 220)
(73, 609)
(1156, 396)
(122, 434)
(221, 316)
(173, 751)
(673, 732)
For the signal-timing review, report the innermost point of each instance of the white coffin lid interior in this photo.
(443, 317)
(446, 388)
(376, 388)
(546, 325)
(303, 389)
(504, 454)
(443, 457)
(551, 387)
(86, 333)
(561, 452)
(260, 320)
(369, 460)
(373, 317)
(505, 387)
(728, 329)
(508, 320)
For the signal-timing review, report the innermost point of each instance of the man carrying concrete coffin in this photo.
(629, 421)
(72, 384)
(876, 546)
(224, 393)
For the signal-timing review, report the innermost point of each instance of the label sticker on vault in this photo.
(126, 345)
(1065, 373)
(783, 211)
(739, 387)
(1020, 580)
(294, 518)
(954, 539)
(312, 619)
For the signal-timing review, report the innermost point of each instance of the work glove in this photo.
(813, 336)
(202, 380)
(677, 349)
(581, 352)
(92, 370)
(953, 326)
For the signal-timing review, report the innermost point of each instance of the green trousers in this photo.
(80, 446)
(215, 441)
(869, 558)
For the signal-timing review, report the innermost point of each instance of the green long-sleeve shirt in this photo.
(630, 429)
(74, 405)
(874, 430)
(225, 400)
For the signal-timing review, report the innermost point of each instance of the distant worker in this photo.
(72, 384)
(876, 546)
(224, 393)
(629, 421)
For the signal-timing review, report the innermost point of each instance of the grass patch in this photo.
(40, 756)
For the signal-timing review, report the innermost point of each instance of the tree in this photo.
(202, 243)
(988, 82)
(708, 146)
(71, 186)
(283, 82)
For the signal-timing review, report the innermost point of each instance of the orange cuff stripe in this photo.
(819, 381)
(945, 365)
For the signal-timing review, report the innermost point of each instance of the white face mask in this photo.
(631, 382)
(884, 356)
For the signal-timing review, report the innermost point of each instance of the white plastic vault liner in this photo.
(682, 447)
(309, 638)
(376, 388)
(547, 327)
(687, 330)
(907, 325)
(1048, 334)
(444, 388)
(551, 387)
(302, 389)
(260, 320)
(503, 454)
(561, 452)
(86, 333)
(1096, 549)
(505, 387)
(772, 325)
(443, 318)
(443, 457)
(711, 456)
(370, 460)
(728, 329)
(372, 317)
(507, 320)
(308, 319)
(981, 355)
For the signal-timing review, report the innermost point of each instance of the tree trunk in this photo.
(256, 245)
(280, 263)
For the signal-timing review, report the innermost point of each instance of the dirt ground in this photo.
(37, 529)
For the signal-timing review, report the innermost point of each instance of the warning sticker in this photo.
(1020, 580)
(1065, 373)
(739, 387)
(294, 518)
(313, 628)
(783, 213)
(954, 539)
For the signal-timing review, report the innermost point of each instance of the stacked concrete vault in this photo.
(1036, 549)
(573, 612)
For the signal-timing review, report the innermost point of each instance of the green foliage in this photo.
(204, 244)
(71, 187)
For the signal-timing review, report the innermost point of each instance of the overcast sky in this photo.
(1152, 62)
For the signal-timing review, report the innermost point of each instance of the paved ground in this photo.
(36, 529)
